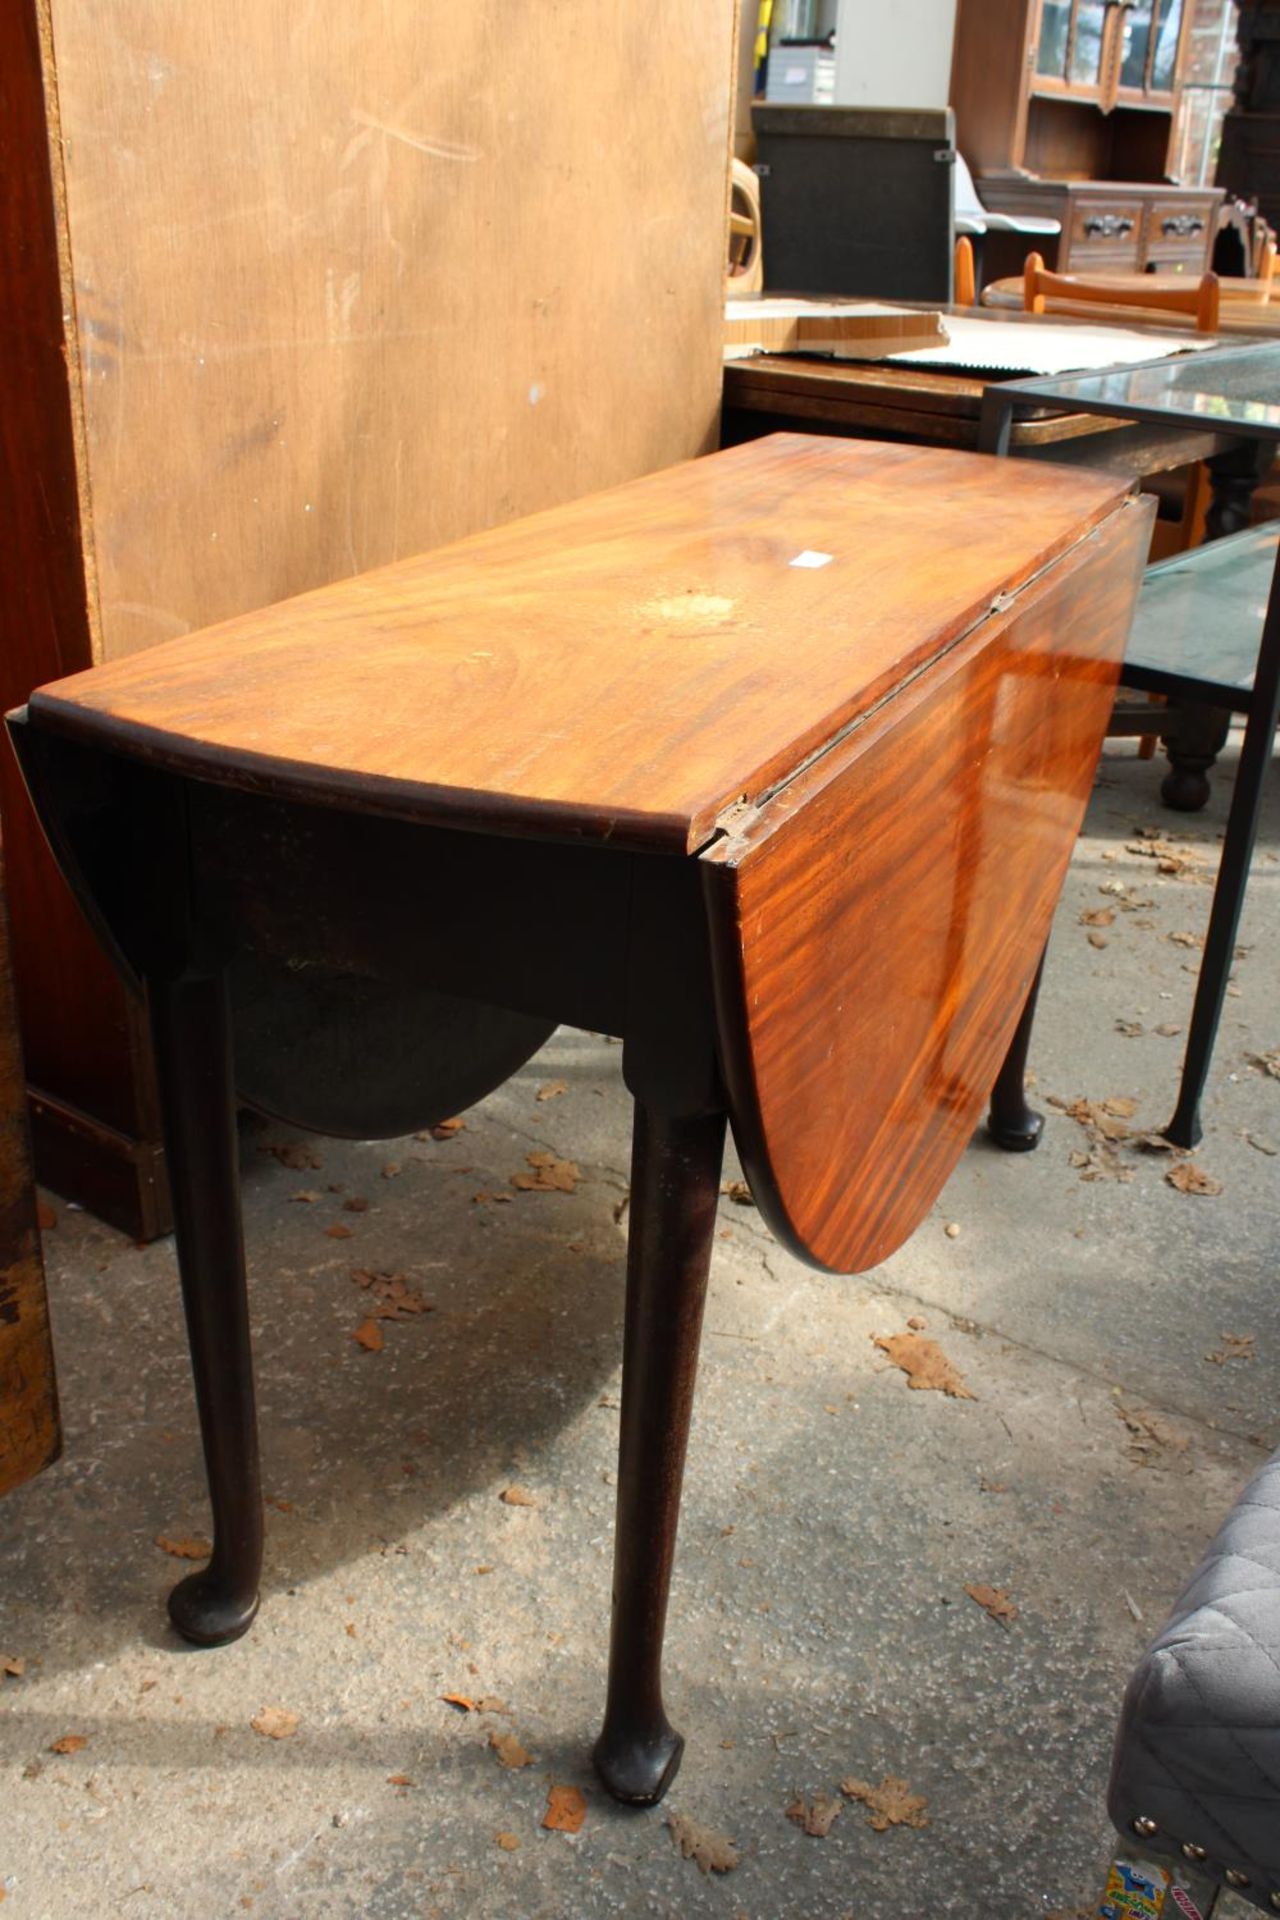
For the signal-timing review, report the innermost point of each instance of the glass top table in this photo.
(1200, 616)
(1207, 632)
(1233, 390)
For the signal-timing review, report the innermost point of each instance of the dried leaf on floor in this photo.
(395, 1299)
(1130, 1028)
(509, 1842)
(509, 1751)
(1167, 1030)
(184, 1546)
(296, 1154)
(45, 1216)
(1097, 916)
(369, 1336)
(12, 1665)
(926, 1366)
(995, 1601)
(1268, 1063)
(1104, 1118)
(400, 1780)
(275, 1723)
(566, 1809)
(1262, 1144)
(547, 1175)
(356, 1204)
(308, 1196)
(738, 1191)
(518, 1497)
(1168, 858)
(1185, 939)
(462, 1701)
(69, 1743)
(1235, 1346)
(713, 1851)
(443, 1130)
(551, 1090)
(1097, 939)
(1189, 1178)
(816, 1815)
(338, 1232)
(1153, 1442)
(891, 1804)
(392, 1170)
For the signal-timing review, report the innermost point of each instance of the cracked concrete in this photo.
(833, 1518)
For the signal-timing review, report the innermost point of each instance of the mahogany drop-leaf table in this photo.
(770, 764)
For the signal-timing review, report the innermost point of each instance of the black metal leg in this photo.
(1011, 1123)
(1233, 873)
(191, 1028)
(1233, 481)
(675, 1184)
(1192, 745)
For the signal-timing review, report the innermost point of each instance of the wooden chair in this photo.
(1197, 299)
(966, 281)
(744, 269)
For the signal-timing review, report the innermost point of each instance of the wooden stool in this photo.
(770, 764)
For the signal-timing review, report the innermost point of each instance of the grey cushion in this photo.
(1198, 1750)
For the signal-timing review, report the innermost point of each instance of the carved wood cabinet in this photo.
(1069, 108)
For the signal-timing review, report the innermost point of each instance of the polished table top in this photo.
(624, 668)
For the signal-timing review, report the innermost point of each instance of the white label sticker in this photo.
(811, 559)
(795, 76)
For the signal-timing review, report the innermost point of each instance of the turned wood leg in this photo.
(191, 1028)
(1013, 1124)
(675, 1183)
(1192, 745)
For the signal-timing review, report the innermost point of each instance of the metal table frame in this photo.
(1257, 424)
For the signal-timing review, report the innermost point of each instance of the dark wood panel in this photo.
(622, 668)
(76, 1028)
(30, 1436)
(867, 996)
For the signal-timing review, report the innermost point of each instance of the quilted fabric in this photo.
(1198, 1750)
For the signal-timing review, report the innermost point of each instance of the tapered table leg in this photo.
(1013, 1124)
(191, 1028)
(674, 1187)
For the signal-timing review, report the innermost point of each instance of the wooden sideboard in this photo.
(1069, 109)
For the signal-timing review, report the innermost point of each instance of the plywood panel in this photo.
(352, 281)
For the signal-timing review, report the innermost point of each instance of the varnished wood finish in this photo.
(483, 776)
(1196, 300)
(30, 1435)
(868, 996)
(624, 668)
(1244, 306)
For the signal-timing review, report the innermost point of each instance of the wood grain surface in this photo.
(877, 924)
(624, 668)
(348, 285)
(30, 1436)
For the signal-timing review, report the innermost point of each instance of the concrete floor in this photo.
(833, 1518)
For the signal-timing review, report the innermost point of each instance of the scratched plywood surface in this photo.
(349, 283)
(29, 1431)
